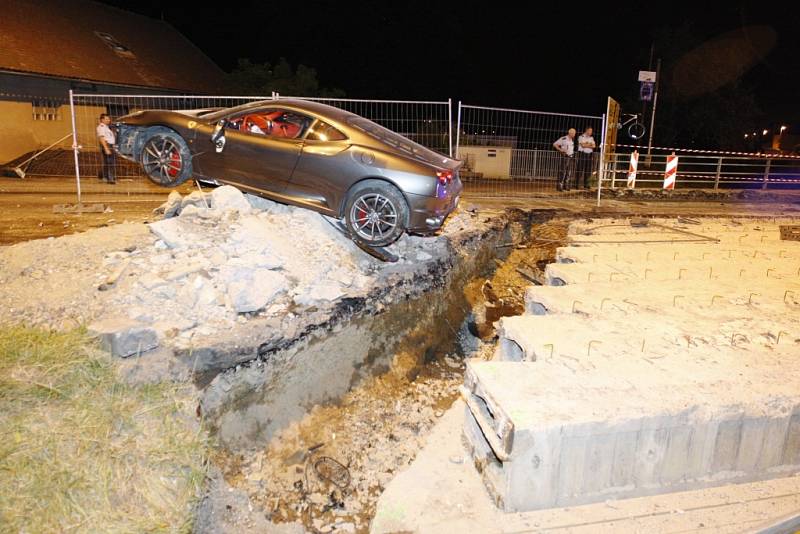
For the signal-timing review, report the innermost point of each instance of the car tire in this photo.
(165, 157)
(376, 213)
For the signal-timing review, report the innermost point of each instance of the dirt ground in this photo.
(26, 206)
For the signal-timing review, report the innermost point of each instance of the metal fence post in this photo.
(458, 129)
(450, 125)
(75, 147)
(601, 169)
(719, 170)
(614, 172)
(766, 174)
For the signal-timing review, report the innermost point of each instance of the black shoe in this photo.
(112, 182)
(559, 187)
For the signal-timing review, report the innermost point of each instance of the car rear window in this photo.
(395, 140)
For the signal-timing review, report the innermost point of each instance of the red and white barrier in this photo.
(671, 172)
(632, 169)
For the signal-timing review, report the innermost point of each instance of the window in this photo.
(322, 131)
(120, 49)
(272, 123)
(46, 110)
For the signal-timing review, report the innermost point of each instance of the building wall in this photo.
(20, 133)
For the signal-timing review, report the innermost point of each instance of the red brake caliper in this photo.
(175, 160)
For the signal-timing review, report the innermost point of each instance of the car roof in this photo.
(311, 106)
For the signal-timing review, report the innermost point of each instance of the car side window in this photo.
(322, 131)
(277, 123)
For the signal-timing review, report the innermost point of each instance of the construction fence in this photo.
(505, 152)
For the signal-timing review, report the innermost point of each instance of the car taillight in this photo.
(444, 177)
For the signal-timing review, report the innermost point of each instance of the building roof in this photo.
(89, 41)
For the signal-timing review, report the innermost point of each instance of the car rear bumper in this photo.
(427, 214)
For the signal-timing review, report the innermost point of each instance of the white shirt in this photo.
(586, 139)
(566, 144)
(105, 132)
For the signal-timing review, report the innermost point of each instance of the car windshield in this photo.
(396, 140)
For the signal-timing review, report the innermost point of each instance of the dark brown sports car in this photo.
(302, 153)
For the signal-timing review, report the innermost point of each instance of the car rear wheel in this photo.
(376, 213)
(166, 158)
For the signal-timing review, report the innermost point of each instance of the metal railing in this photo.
(509, 152)
(707, 171)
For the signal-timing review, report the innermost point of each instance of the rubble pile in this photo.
(215, 260)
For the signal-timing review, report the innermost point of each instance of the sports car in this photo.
(302, 153)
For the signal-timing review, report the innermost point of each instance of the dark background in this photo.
(561, 57)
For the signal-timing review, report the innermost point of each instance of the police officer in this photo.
(586, 146)
(566, 145)
(106, 137)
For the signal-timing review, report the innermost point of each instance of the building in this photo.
(48, 47)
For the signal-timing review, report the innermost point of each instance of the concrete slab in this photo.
(556, 425)
(675, 373)
(441, 492)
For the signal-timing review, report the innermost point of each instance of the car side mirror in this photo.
(218, 137)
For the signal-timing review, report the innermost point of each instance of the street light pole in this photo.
(653, 115)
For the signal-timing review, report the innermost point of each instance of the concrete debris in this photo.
(170, 231)
(171, 207)
(124, 337)
(114, 276)
(263, 204)
(228, 198)
(196, 199)
(250, 290)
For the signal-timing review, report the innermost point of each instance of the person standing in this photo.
(107, 140)
(566, 146)
(586, 146)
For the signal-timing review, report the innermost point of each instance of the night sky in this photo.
(555, 56)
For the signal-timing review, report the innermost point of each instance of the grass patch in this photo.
(81, 451)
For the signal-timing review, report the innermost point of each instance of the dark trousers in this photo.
(567, 172)
(108, 171)
(584, 165)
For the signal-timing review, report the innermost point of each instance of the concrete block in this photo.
(622, 469)
(599, 462)
(775, 432)
(124, 337)
(791, 451)
(674, 465)
(550, 437)
(572, 460)
(726, 447)
(752, 441)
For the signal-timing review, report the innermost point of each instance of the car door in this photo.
(324, 171)
(255, 158)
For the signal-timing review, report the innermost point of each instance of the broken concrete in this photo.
(124, 337)
(228, 198)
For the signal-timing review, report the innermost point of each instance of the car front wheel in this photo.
(166, 158)
(376, 213)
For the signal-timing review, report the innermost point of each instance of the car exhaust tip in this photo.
(434, 222)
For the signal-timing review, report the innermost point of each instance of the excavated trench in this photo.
(312, 431)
